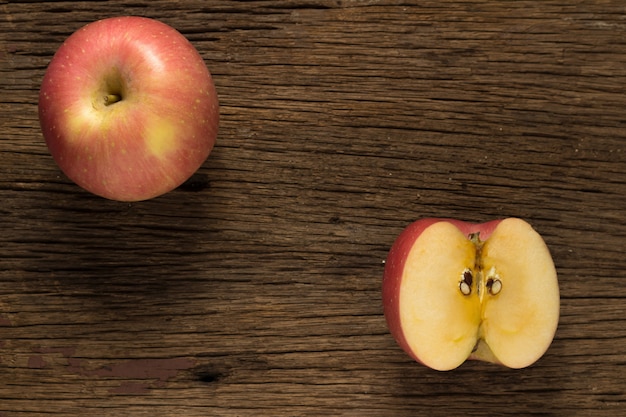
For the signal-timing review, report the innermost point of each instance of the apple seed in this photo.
(466, 282)
(494, 286)
(467, 277)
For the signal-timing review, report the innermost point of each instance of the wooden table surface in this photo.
(254, 289)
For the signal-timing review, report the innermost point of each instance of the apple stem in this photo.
(111, 99)
(475, 238)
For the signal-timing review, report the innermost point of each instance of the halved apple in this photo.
(454, 291)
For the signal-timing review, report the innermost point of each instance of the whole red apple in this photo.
(128, 108)
(454, 291)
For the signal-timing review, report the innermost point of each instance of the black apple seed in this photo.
(468, 277)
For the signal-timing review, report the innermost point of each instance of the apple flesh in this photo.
(454, 291)
(128, 108)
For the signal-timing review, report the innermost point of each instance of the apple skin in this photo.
(393, 279)
(128, 108)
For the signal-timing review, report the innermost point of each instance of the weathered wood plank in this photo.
(255, 289)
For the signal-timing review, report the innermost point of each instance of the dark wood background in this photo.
(254, 290)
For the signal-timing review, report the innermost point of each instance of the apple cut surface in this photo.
(454, 291)
(519, 323)
(441, 323)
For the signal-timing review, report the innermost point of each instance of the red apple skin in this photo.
(156, 136)
(394, 266)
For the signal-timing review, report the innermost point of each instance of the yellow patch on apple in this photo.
(81, 121)
(160, 137)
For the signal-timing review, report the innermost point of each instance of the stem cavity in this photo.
(113, 89)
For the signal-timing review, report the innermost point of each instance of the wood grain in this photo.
(255, 288)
